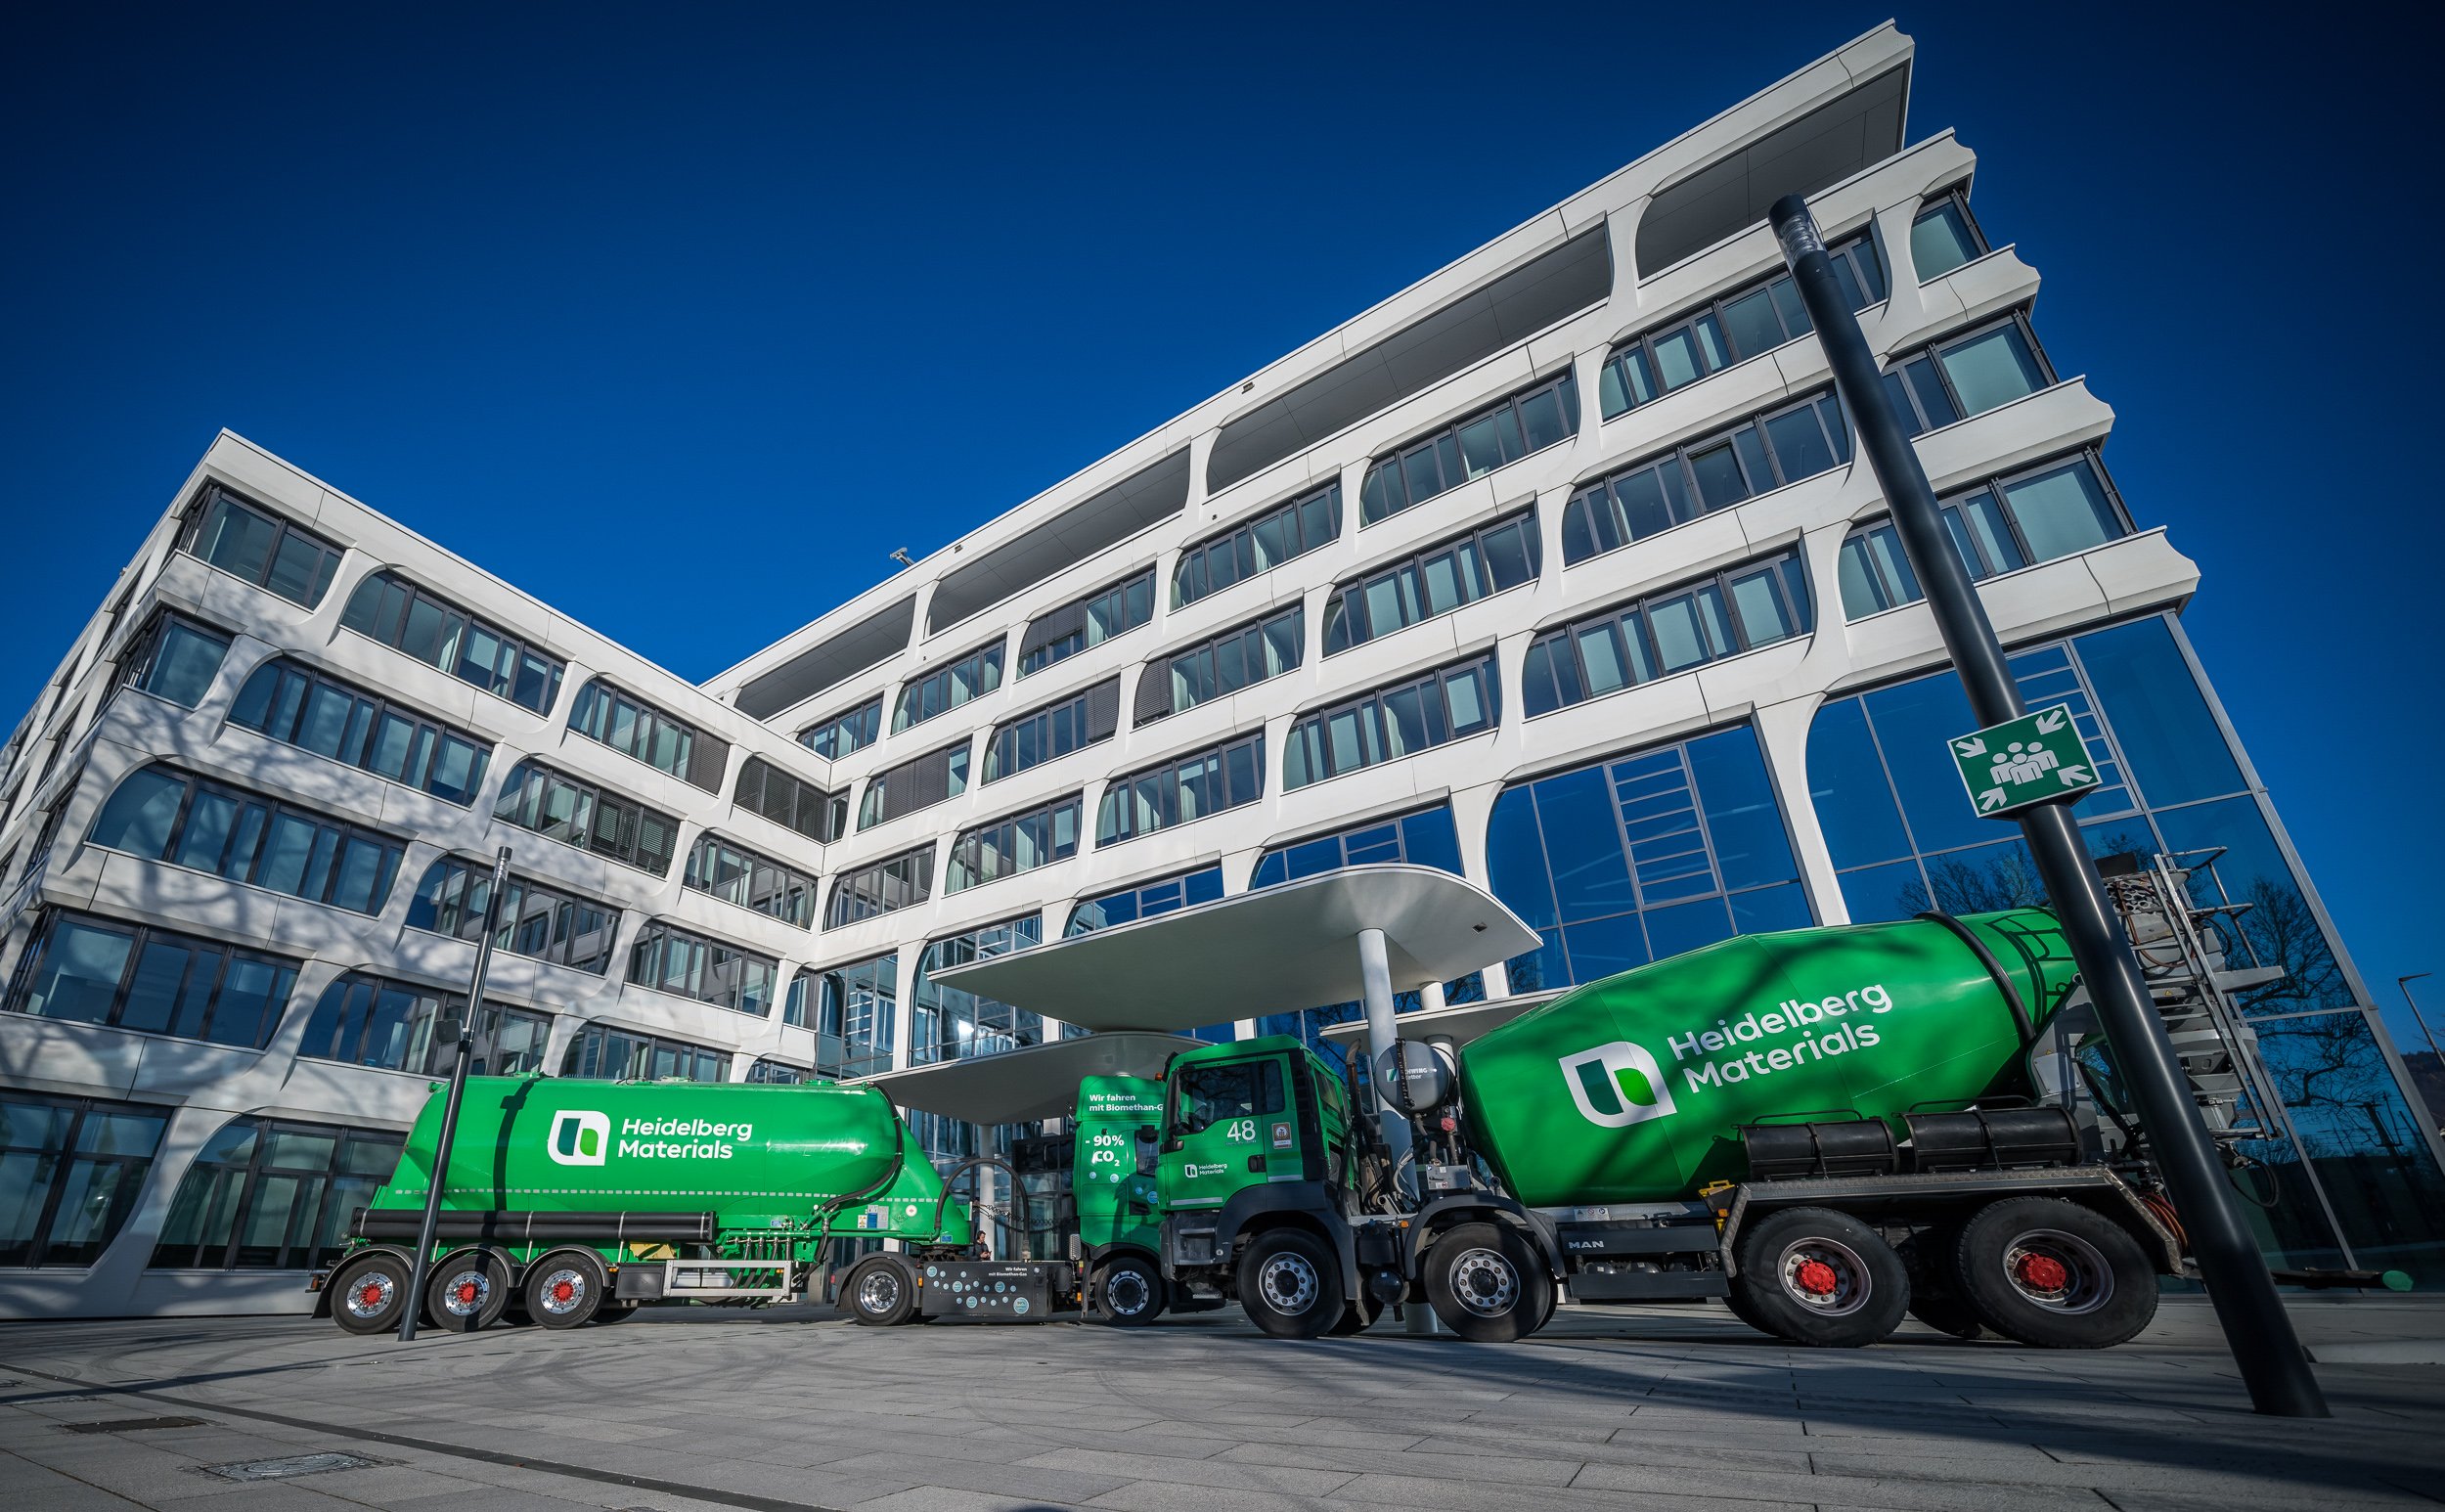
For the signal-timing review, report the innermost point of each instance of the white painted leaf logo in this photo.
(1616, 1084)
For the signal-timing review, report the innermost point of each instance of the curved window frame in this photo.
(682, 963)
(388, 608)
(1634, 644)
(154, 659)
(291, 555)
(241, 835)
(1434, 581)
(1051, 730)
(971, 675)
(1145, 900)
(909, 786)
(856, 1013)
(1428, 466)
(1102, 615)
(394, 741)
(1276, 642)
(1308, 523)
(1989, 536)
(86, 1173)
(1040, 835)
(539, 921)
(1949, 208)
(685, 1058)
(1704, 340)
(750, 879)
(527, 798)
(1925, 390)
(188, 975)
(1698, 477)
(795, 806)
(609, 715)
(851, 729)
(230, 1194)
(1366, 729)
(1214, 780)
(879, 887)
(359, 1005)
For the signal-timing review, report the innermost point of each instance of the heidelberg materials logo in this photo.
(579, 1138)
(1616, 1084)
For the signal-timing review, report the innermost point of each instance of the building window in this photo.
(1436, 580)
(1008, 846)
(174, 657)
(775, 1073)
(296, 705)
(1087, 622)
(71, 1170)
(1390, 722)
(388, 608)
(854, 1008)
(971, 677)
(1529, 420)
(1426, 839)
(885, 887)
(90, 970)
(737, 874)
(1754, 604)
(1903, 840)
(259, 546)
(1259, 546)
(164, 813)
(2002, 525)
(1753, 319)
(1633, 860)
(635, 728)
(560, 807)
(606, 1052)
(1967, 375)
(949, 1024)
(1222, 663)
(1713, 473)
(1945, 236)
(791, 802)
(1032, 739)
(1183, 791)
(855, 731)
(267, 1194)
(686, 964)
(937, 776)
(367, 1020)
(537, 921)
(1148, 900)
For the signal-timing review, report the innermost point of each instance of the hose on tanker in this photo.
(2274, 1184)
(976, 1201)
(1994, 968)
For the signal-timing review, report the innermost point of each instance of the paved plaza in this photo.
(789, 1408)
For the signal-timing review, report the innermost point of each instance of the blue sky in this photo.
(682, 320)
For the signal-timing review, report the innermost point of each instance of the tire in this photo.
(1487, 1284)
(880, 1291)
(566, 1289)
(617, 1312)
(1821, 1278)
(367, 1295)
(1739, 1304)
(1290, 1284)
(1358, 1315)
(467, 1292)
(1127, 1292)
(2054, 1276)
(1928, 1255)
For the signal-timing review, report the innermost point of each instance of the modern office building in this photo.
(1552, 569)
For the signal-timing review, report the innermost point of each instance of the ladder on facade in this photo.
(2182, 956)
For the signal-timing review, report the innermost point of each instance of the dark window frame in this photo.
(1115, 820)
(1141, 906)
(853, 901)
(1368, 712)
(450, 900)
(1241, 545)
(1787, 577)
(700, 758)
(341, 1189)
(719, 972)
(788, 881)
(327, 861)
(1137, 610)
(984, 666)
(875, 804)
(1598, 516)
(283, 530)
(970, 847)
(805, 803)
(424, 1052)
(860, 727)
(523, 794)
(70, 1163)
(1997, 486)
(1349, 610)
(457, 625)
(141, 657)
(1633, 364)
(1158, 681)
(1443, 448)
(1906, 371)
(427, 736)
(1008, 750)
(596, 1034)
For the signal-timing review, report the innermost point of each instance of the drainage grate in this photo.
(290, 1468)
(135, 1424)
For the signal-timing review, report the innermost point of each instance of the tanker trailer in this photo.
(568, 1202)
(1825, 1127)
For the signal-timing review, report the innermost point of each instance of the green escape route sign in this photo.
(2037, 758)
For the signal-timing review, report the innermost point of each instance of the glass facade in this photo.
(1755, 605)
(885, 887)
(855, 1011)
(1642, 856)
(750, 879)
(560, 807)
(270, 1194)
(537, 921)
(1146, 900)
(607, 1053)
(686, 964)
(1713, 473)
(1433, 582)
(388, 608)
(368, 1020)
(2006, 523)
(1006, 847)
(1183, 791)
(164, 813)
(937, 692)
(260, 546)
(947, 1023)
(174, 657)
(1390, 722)
(1530, 420)
(1263, 543)
(1903, 840)
(1967, 375)
(1731, 327)
(92, 971)
(70, 1170)
(314, 711)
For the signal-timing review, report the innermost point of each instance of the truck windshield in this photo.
(1209, 1095)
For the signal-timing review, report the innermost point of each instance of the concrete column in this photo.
(1375, 977)
(1431, 997)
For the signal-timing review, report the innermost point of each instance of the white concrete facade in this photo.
(88, 734)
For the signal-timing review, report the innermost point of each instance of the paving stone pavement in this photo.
(790, 1408)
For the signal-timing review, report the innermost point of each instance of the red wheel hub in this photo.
(466, 1291)
(2043, 1272)
(369, 1294)
(563, 1291)
(1816, 1279)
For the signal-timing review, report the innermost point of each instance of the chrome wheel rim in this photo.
(466, 1293)
(1485, 1282)
(878, 1291)
(1126, 1293)
(1288, 1283)
(563, 1291)
(1825, 1275)
(2060, 1272)
(370, 1293)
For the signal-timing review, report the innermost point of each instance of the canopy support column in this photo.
(1375, 978)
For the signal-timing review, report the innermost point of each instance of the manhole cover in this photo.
(135, 1424)
(290, 1468)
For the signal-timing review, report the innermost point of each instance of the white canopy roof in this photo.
(1459, 1023)
(1038, 1082)
(1274, 951)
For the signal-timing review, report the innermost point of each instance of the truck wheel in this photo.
(617, 1312)
(1928, 1254)
(880, 1292)
(1127, 1292)
(565, 1289)
(1819, 1277)
(1486, 1285)
(366, 1296)
(1947, 1313)
(2054, 1276)
(467, 1292)
(1290, 1284)
(1359, 1315)
(1738, 1302)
